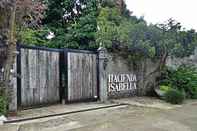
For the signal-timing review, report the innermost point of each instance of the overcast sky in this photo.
(158, 11)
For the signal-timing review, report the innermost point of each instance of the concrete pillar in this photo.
(103, 60)
(13, 105)
(13, 91)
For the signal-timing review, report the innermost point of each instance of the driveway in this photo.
(122, 118)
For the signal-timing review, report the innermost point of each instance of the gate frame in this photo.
(65, 63)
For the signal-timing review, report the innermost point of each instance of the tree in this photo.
(107, 26)
(136, 40)
(7, 36)
(29, 13)
(160, 42)
(72, 21)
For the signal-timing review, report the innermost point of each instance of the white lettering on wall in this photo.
(121, 82)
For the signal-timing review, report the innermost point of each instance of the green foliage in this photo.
(117, 31)
(108, 29)
(74, 23)
(194, 95)
(164, 88)
(114, 29)
(83, 24)
(187, 42)
(184, 78)
(130, 34)
(108, 3)
(55, 11)
(3, 103)
(33, 36)
(174, 96)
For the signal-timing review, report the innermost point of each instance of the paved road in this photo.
(143, 119)
(126, 118)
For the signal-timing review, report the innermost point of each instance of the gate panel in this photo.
(82, 76)
(39, 77)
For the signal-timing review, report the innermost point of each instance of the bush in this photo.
(3, 102)
(33, 37)
(164, 88)
(174, 96)
(194, 96)
(3, 105)
(184, 79)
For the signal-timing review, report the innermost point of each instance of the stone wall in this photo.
(175, 62)
(141, 68)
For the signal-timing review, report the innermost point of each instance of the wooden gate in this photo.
(49, 76)
(82, 75)
(39, 81)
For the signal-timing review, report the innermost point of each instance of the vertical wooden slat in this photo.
(88, 89)
(32, 76)
(69, 76)
(36, 89)
(42, 75)
(94, 76)
(24, 77)
(79, 63)
(50, 81)
(84, 75)
(90, 94)
(46, 72)
(57, 76)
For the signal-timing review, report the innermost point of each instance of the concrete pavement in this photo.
(122, 118)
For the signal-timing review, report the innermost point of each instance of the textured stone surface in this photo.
(141, 68)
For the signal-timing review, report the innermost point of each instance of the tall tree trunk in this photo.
(7, 37)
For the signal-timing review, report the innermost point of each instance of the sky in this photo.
(159, 11)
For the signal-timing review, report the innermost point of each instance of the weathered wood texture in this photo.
(82, 76)
(39, 77)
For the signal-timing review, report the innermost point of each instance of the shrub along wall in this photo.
(180, 76)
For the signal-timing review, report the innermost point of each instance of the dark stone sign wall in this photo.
(126, 79)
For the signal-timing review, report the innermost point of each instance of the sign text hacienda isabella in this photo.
(121, 82)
